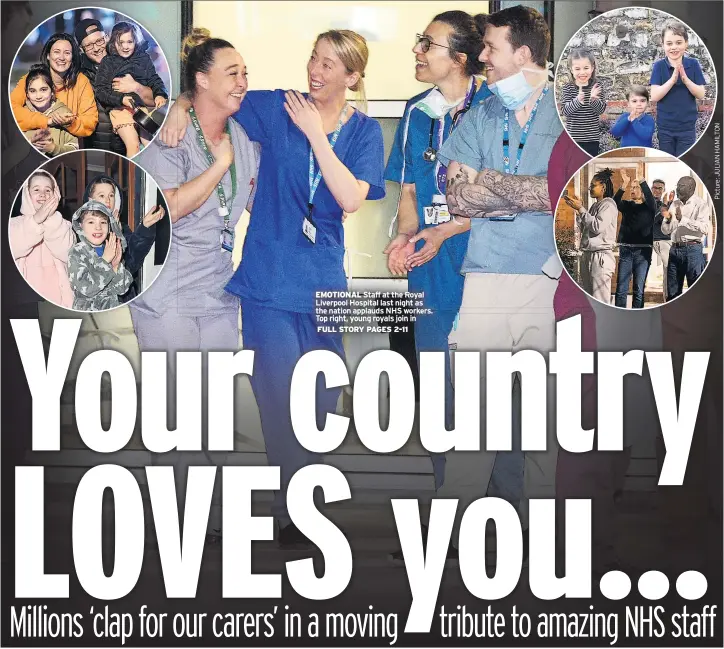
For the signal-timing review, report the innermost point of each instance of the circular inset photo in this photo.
(89, 78)
(635, 228)
(89, 231)
(635, 77)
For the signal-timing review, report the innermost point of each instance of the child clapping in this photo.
(95, 264)
(635, 128)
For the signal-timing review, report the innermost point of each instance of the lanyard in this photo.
(224, 206)
(314, 180)
(523, 135)
(441, 169)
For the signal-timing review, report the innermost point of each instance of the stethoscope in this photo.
(430, 154)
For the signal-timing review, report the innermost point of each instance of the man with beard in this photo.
(498, 162)
(92, 41)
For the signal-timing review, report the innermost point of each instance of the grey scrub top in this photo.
(524, 245)
(197, 269)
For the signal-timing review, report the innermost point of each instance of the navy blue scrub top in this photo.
(439, 278)
(280, 268)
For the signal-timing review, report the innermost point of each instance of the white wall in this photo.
(276, 38)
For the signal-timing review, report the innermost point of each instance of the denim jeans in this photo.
(636, 262)
(677, 143)
(684, 262)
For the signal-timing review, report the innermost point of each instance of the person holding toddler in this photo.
(127, 55)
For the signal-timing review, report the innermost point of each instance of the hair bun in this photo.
(481, 22)
(606, 173)
(198, 36)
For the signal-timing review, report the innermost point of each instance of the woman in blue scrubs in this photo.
(320, 157)
(429, 245)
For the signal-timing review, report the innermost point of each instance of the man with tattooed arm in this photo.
(498, 160)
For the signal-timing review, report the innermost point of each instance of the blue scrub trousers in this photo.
(279, 339)
(431, 335)
(636, 262)
(677, 144)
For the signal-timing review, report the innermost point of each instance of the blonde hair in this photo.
(351, 48)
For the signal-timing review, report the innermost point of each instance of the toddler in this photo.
(96, 270)
(127, 55)
(635, 128)
(583, 102)
(676, 83)
(40, 97)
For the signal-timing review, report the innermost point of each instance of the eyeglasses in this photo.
(425, 43)
(96, 44)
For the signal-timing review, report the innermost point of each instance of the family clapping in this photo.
(676, 83)
(92, 271)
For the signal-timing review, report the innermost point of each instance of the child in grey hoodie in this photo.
(95, 264)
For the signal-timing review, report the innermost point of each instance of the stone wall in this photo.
(625, 59)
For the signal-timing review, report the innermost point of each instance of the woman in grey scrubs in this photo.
(207, 181)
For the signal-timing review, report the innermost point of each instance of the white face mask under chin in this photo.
(514, 91)
(435, 106)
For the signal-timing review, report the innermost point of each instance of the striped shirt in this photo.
(582, 119)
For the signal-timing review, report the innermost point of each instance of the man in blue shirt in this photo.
(676, 83)
(498, 160)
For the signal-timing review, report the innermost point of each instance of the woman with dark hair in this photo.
(62, 56)
(598, 236)
(429, 245)
(320, 158)
(207, 182)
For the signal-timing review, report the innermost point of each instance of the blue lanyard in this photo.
(314, 180)
(441, 169)
(523, 135)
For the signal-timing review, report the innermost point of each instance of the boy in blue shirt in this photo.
(635, 128)
(676, 83)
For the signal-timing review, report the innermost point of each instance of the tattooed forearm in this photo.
(462, 176)
(477, 201)
(525, 193)
(465, 198)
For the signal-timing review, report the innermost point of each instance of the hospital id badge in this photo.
(438, 212)
(227, 240)
(309, 230)
(430, 214)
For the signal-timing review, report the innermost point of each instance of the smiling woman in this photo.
(207, 181)
(72, 88)
(321, 157)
